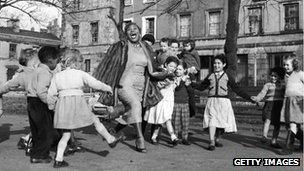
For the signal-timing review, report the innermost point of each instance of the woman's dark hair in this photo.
(171, 41)
(192, 43)
(129, 25)
(279, 71)
(222, 58)
(171, 59)
(47, 52)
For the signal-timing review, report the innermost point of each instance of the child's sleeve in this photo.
(237, 89)
(201, 85)
(13, 83)
(263, 93)
(43, 83)
(94, 83)
(52, 95)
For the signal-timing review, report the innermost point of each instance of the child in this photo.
(218, 112)
(40, 117)
(162, 112)
(29, 61)
(273, 92)
(292, 110)
(162, 53)
(65, 95)
(173, 48)
(181, 115)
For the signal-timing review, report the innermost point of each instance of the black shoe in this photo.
(116, 141)
(175, 142)
(263, 140)
(22, 143)
(186, 142)
(58, 164)
(46, 160)
(141, 150)
(211, 147)
(218, 144)
(275, 145)
(154, 141)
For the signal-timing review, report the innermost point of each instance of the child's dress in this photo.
(218, 111)
(162, 112)
(66, 96)
(292, 110)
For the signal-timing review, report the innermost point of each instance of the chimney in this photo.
(14, 24)
(32, 29)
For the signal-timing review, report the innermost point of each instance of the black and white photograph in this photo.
(132, 85)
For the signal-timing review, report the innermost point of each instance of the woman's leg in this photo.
(62, 145)
(140, 142)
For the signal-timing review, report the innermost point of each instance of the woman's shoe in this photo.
(141, 150)
(116, 141)
(218, 144)
(58, 164)
(275, 145)
(263, 140)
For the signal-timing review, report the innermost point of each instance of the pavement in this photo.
(99, 156)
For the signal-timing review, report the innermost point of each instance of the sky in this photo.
(42, 12)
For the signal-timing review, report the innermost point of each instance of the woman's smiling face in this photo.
(133, 34)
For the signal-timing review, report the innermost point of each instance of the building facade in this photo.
(13, 41)
(88, 29)
(269, 31)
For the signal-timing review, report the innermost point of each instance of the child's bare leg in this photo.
(170, 130)
(266, 128)
(212, 130)
(155, 132)
(62, 145)
(103, 131)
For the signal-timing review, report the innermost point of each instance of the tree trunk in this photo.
(120, 19)
(232, 31)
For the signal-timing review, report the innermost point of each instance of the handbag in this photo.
(153, 95)
(106, 98)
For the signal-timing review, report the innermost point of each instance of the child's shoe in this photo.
(22, 143)
(186, 142)
(263, 140)
(58, 164)
(175, 141)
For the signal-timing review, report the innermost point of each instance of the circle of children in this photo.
(55, 82)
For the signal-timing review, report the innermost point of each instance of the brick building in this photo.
(269, 31)
(88, 29)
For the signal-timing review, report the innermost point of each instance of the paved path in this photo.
(124, 157)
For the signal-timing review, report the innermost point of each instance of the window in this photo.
(148, 1)
(291, 17)
(185, 25)
(242, 70)
(214, 23)
(94, 32)
(75, 33)
(255, 20)
(276, 59)
(128, 2)
(149, 25)
(12, 50)
(87, 64)
(206, 66)
(75, 4)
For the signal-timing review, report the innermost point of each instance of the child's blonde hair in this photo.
(296, 63)
(71, 58)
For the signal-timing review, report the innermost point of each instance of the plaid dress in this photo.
(180, 119)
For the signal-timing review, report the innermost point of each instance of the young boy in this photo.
(162, 53)
(173, 47)
(29, 61)
(40, 117)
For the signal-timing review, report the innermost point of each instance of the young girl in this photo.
(162, 112)
(292, 110)
(181, 114)
(65, 95)
(218, 112)
(273, 92)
